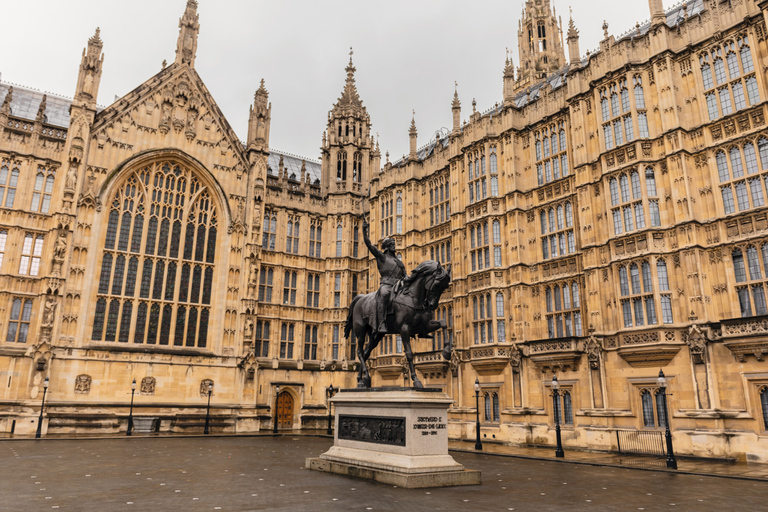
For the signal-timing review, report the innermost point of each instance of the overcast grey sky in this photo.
(408, 53)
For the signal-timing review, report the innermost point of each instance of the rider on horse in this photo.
(391, 270)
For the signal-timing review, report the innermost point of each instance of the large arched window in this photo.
(157, 265)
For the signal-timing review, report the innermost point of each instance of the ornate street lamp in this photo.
(662, 382)
(42, 406)
(556, 406)
(274, 421)
(478, 444)
(129, 432)
(208, 410)
(330, 389)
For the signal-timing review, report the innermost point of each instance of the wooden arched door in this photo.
(284, 410)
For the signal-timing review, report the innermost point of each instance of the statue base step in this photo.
(396, 436)
(405, 480)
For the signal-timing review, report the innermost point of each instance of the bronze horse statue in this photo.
(411, 315)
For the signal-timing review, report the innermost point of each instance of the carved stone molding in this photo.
(431, 364)
(746, 337)
(649, 356)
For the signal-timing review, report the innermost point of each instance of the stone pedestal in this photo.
(397, 436)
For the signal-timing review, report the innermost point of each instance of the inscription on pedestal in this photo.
(429, 425)
(372, 429)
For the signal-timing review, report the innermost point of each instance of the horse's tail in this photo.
(350, 316)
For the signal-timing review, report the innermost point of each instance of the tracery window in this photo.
(726, 93)
(292, 236)
(9, 180)
(480, 242)
(18, 321)
(617, 112)
(286, 340)
(557, 233)
(764, 406)
(41, 197)
(261, 344)
(491, 402)
(313, 290)
(750, 274)
(289, 288)
(441, 252)
(653, 417)
(563, 306)
(341, 165)
(265, 284)
(335, 343)
(399, 214)
(158, 261)
(483, 317)
(310, 342)
(337, 290)
(315, 239)
(634, 201)
(269, 235)
(478, 184)
(355, 239)
(439, 204)
(357, 167)
(339, 240)
(741, 179)
(387, 215)
(551, 153)
(639, 302)
(31, 251)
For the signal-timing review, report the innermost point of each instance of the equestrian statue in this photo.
(403, 305)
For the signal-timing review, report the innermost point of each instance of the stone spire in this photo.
(90, 70)
(349, 96)
(412, 133)
(259, 120)
(540, 43)
(509, 81)
(6, 107)
(574, 56)
(41, 118)
(186, 46)
(456, 109)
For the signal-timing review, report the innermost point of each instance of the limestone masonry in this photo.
(605, 219)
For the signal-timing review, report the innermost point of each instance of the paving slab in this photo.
(267, 473)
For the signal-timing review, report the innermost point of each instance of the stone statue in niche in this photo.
(254, 272)
(71, 182)
(49, 312)
(59, 251)
(83, 384)
(248, 332)
(515, 358)
(147, 386)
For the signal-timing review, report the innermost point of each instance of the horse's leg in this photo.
(362, 372)
(409, 356)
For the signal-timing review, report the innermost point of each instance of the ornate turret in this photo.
(412, 134)
(574, 56)
(509, 81)
(540, 43)
(259, 120)
(186, 46)
(90, 71)
(348, 153)
(456, 109)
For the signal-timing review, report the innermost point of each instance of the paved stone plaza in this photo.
(266, 473)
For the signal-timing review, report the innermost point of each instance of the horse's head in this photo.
(440, 279)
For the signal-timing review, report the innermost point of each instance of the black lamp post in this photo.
(478, 444)
(330, 389)
(662, 382)
(556, 406)
(42, 406)
(208, 410)
(274, 421)
(129, 432)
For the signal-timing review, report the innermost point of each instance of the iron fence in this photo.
(641, 442)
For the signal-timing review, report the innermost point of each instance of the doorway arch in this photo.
(284, 413)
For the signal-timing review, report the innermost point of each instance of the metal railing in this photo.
(640, 442)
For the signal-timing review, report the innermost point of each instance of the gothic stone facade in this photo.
(606, 219)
